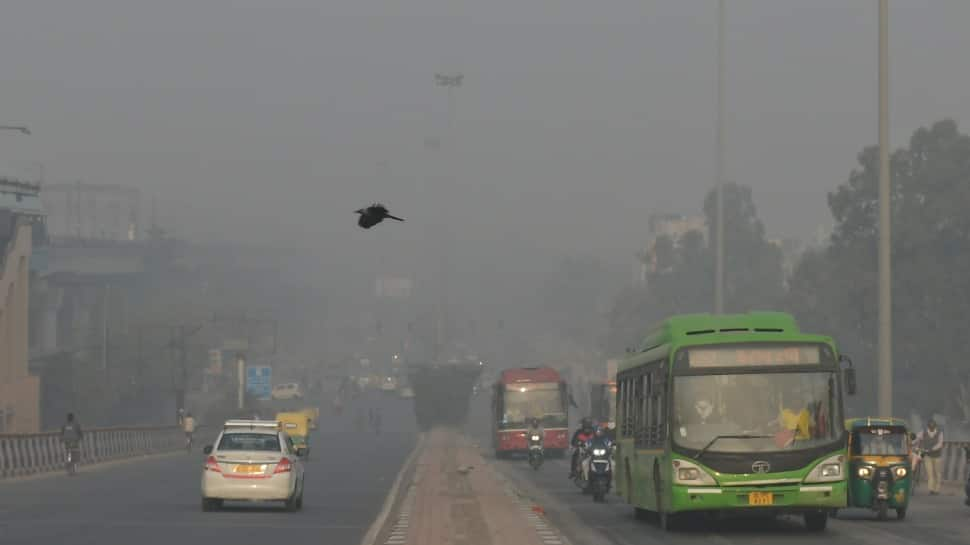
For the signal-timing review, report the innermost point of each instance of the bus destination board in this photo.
(753, 356)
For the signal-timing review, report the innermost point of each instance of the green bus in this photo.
(732, 413)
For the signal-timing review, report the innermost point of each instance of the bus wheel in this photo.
(816, 522)
(665, 520)
(641, 514)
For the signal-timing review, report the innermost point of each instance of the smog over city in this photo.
(400, 231)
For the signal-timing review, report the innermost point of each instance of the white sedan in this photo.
(252, 460)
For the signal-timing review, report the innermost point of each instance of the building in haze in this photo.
(671, 226)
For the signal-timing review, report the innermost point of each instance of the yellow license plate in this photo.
(248, 468)
(761, 498)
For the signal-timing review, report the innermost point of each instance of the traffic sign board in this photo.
(259, 381)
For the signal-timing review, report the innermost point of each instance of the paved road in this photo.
(942, 520)
(156, 501)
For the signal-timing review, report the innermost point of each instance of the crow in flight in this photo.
(374, 214)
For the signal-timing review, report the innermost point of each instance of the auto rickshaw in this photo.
(879, 465)
(297, 426)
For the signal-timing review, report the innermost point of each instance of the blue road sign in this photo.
(259, 381)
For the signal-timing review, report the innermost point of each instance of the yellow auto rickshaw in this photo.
(879, 465)
(297, 425)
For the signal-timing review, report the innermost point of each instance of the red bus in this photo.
(522, 394)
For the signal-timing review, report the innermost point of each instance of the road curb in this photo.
(395, 496)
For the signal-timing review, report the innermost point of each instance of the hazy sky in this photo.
(276, 119)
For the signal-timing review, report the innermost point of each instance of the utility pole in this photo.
(182, 369)
(719, 175)
(885, 225)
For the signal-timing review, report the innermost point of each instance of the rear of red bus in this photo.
(522, 394)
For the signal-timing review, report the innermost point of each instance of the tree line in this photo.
(833, 289)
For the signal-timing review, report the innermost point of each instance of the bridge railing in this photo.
(28, 454)
(955, 465)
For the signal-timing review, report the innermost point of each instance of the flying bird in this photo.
(374, 214)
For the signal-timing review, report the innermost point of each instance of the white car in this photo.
(252, 460)
(290, 390)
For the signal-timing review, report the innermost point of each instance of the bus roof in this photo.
(726, 328)
(529, 374)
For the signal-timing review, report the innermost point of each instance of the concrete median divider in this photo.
(30, 454)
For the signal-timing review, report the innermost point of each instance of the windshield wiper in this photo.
(719, 437)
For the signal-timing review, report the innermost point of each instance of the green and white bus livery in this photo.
(732, 413)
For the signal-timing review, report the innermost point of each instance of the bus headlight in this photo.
(864, 472)
(827, 471)
(687, 473)
(900, 472)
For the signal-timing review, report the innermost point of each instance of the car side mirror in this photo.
(207, 449)
(301, 451)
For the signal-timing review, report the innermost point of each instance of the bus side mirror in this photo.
(849, 372)
(207, 449)
(850, 385)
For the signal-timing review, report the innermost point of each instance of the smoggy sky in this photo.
(270, 121)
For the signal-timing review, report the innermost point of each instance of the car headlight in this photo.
(864, 472)
(688, 473)
(900, 472)
(827, 471)
(599, 452)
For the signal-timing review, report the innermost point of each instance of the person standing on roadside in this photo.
(930, 441)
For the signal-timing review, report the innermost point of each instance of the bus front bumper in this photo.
(796, 498)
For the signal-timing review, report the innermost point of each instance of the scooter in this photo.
(536, 452)
(598, 467)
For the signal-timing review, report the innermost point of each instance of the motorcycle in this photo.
(536, 452)
(580, 477)
(73, 455)
(598, 467)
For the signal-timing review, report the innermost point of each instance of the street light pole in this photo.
(719, 175)
(885, 225)
(450, 82)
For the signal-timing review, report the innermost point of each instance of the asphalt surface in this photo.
(156, 500)
(940, 520)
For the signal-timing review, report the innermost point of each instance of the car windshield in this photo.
(879, 442)
(774, 411)
(250, 441)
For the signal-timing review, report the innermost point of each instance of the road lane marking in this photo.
(373, 533)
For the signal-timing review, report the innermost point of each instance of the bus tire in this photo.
(642, 514)
(816, 522)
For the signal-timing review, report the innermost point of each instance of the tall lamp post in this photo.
(451, 82)
(719, 175)
(885, 274)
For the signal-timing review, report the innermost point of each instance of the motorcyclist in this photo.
(71, 436)
(188, 426)
(611, 432)
(535, 428)
(580, 438)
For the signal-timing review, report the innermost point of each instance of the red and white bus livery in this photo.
(522, 394)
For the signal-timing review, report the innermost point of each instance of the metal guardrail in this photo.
(28, 454)
(955, 464)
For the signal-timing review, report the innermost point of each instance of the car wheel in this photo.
(210, 504)
(299, 502)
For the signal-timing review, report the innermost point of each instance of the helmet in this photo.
(611, 426)
(587, 422)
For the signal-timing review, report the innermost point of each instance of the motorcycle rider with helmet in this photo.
(580, 438)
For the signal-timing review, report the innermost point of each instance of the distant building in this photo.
(672, 226)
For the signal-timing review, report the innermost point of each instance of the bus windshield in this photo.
(542, 401)
(763, 411)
